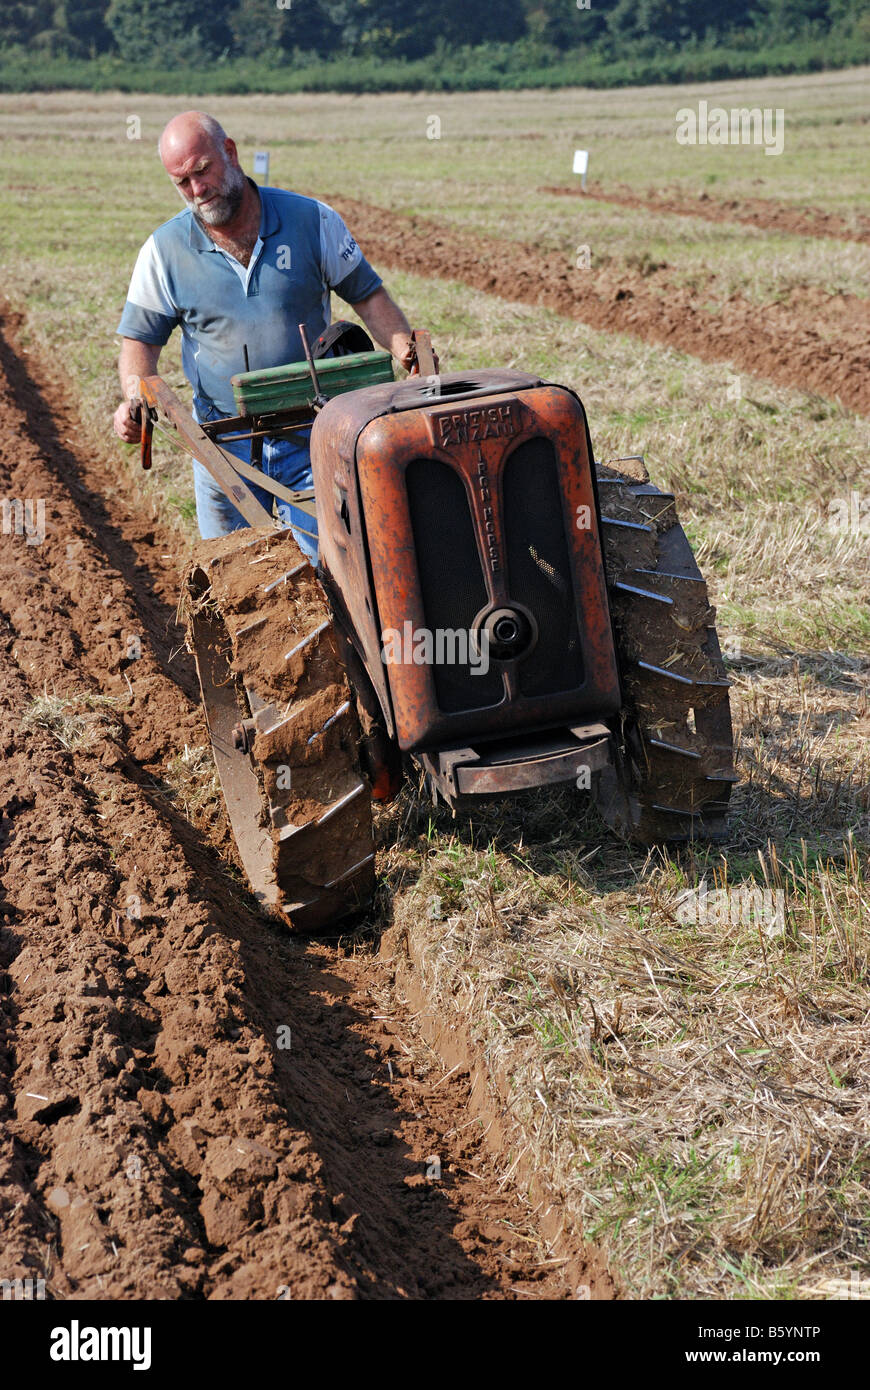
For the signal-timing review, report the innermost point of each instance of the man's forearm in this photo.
(387, 324)
(136, 360)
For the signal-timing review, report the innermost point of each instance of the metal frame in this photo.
(160, 404)
(540, 759)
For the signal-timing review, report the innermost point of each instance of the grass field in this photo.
(697, 1094)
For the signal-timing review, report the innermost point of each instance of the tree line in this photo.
(181, 33)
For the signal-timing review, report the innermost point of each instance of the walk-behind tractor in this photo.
(489, 602)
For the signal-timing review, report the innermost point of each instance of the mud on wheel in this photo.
(283, 726)
(676, 772)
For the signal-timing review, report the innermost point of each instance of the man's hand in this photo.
(389, 327)
(403, 349)
(136, 360)
(414, 368)
(127, 421)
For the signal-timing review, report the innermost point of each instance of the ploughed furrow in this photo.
(764, 213)
(193, 1102)
(812, 340)
(144, 1129)
(678, 721)
(283, 726)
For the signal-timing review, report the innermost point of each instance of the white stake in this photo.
(581, 164)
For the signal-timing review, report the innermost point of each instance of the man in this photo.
(241, 267)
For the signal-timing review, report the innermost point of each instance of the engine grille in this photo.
(451, 577)
(539, 570)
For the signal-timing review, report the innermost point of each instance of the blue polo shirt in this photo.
(304, 251)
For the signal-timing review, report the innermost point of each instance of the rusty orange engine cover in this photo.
(438, 512)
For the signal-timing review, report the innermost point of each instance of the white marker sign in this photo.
(261, 163)
(581, 164)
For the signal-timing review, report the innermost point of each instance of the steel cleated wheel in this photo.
(283, 726)
(677, 767)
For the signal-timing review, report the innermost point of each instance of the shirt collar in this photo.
(269, 219)
(198, 238)
(201, 241)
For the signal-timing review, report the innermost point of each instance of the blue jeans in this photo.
(288, 462)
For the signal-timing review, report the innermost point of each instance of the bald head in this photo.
(188, 131)
(203, 163)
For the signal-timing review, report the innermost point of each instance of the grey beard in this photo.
(224, 207)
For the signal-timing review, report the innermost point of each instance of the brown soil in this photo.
(811, 340)
(154, 1139)
(764, 213)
